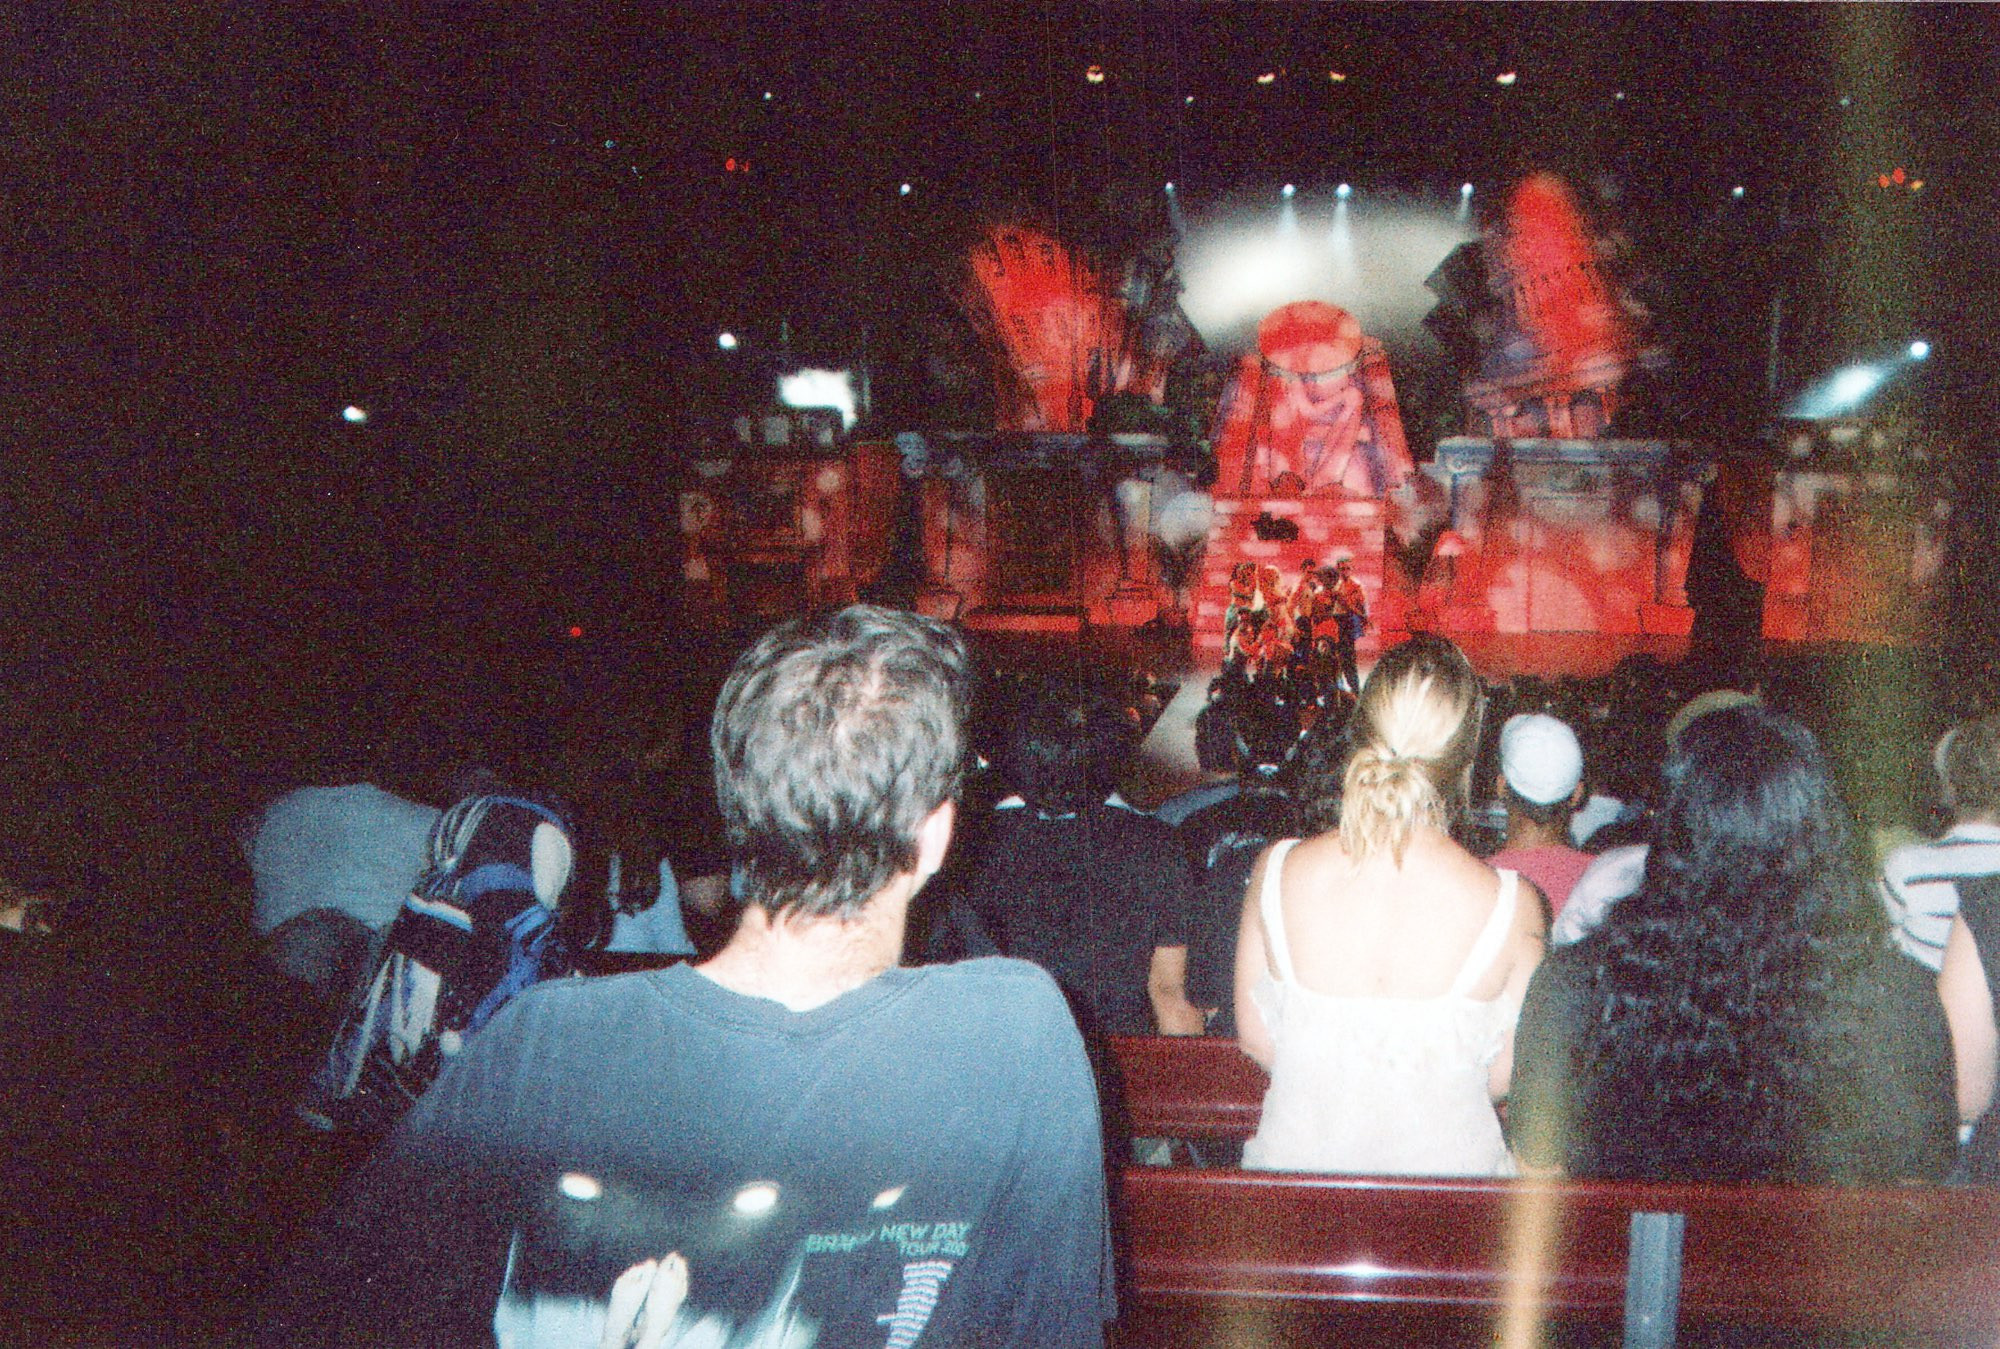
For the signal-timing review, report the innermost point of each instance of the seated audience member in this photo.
(330, 867)
(1223, 841)
(1619, 870)
(1921, 881)
(1215, 754)
(792, 1143)
(1380, 965)
(1540, 784)
(478, 928)
(1744, 1015)
(1096, 895)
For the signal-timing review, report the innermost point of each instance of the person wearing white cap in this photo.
(1541, 783)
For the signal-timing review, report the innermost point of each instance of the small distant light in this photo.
(1344, 191)
(1095, 74)
(611, 145)
(353, 415)
(888, 1197)
(1336, 76)
(1919, 349)
(729, 164)
(1188, 99)
(978, 94)
(1268, 77)
(1619, 97)
(1290, 190)
(579, 1186)
(903, 191)
(1465, 189)
(1170, 186)
(1737, 192)
(727, 341)
(756, 1199)
(1882, 180)
(1897, 175)
(1507, 77)
(1846, 102)
(576, 630)
(767, 95)
(1916, 184)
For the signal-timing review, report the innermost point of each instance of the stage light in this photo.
(1737, 192)
(1916, 184)
(903, 191)
(1507, 77)
(1846, 102)
(1336, 77)
(767, 95)
(575, 630)
(1268, 77)
(1618, 97)
(1882, 180)
(1095, 74)
(1290, 191)
(1465, 189)
(727, 341)
(1344, 191)
(353, 415)
(1188, 99)
(1853, 384)
(1919, 349)
(1170, 186)
(1897, 175)
(820, 389)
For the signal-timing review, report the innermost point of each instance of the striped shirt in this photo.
(1920, 885)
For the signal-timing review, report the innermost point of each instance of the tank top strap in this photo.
(1273, 909)
(1486, 948)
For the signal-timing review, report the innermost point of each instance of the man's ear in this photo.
(934, 839)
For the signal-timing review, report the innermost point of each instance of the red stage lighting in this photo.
(1897, 175)
(1095, 74)
(576, 630)
(1883, 180)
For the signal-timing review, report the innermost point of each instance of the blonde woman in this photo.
(1380, 965)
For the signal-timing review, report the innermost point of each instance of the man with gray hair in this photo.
(1920, 880)
(793, 1143)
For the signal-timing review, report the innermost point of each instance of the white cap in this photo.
(1540, 758)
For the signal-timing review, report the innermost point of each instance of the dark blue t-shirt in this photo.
(916, 1163)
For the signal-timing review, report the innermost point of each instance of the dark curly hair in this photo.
(1723, 988)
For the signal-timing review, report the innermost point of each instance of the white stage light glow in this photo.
(1465, 189)
(727, 341)
(1170, 187)
(1344, 191)
(1290, 191)
(820, 389)
(1737, 192)
(1370, 259)
(1919, 349)
(903, 191)
(353, 415)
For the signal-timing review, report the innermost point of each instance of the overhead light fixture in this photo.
(1289, 190)
(1336, 77)
(727, 341)
(1465, 190)
(353, 415)
(1095, 74)
(1919, 349)
(903, 191)
(1344, 191)
(1737, 192)
(1268, 77)
(1507, 77)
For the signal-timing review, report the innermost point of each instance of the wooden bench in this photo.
(1233, 1258)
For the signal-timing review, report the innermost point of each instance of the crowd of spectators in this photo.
(1664, 930)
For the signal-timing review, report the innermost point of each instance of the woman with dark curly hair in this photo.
(1744, 1016)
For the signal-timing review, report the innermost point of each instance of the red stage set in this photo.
(1092, 498)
